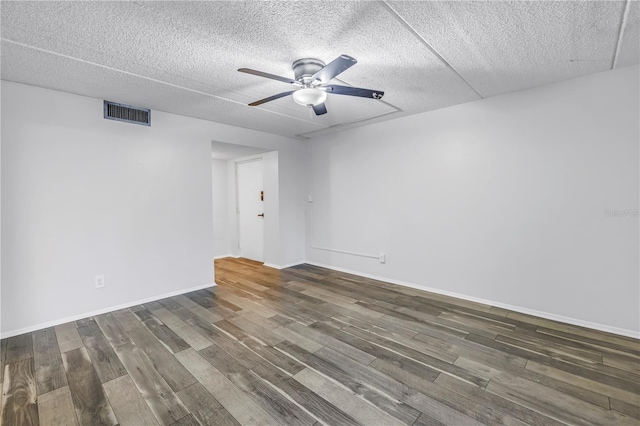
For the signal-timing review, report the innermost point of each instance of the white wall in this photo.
(220, 191)
(83, 196)
(501, 199)
(293, 182)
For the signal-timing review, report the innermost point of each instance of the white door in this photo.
(250, 209)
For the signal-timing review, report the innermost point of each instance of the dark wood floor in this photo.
(310, 346)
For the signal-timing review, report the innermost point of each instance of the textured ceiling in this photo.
(182, 57)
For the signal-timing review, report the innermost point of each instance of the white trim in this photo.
(224, 256)
(352, 253)
(288, 265)
(48, 324)
(546, 315)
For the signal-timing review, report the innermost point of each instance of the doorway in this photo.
(250, 209)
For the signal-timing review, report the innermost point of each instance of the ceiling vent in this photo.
(127, 113)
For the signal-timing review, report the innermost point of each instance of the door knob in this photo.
(261, 215)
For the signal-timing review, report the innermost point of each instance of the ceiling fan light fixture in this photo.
(309, 96)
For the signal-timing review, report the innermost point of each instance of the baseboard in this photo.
(224, 256)
(101, 311)
(533, 312)
(288, 265)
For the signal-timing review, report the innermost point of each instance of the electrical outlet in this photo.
(382, 258)
(99, 280)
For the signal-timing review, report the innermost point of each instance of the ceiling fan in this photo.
(312, 77)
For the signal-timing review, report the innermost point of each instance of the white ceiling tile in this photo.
(505, 46)
(69, 75)
(188, 53)
(629, 49)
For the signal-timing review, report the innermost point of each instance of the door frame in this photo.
(271, 228)
(237, 206)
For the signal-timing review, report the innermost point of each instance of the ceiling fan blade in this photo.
(333, 68)
(320, 109)
(353, 91)
(267, 75)
(271, 98)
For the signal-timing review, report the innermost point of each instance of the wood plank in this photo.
(56, 408)
(272, 401)
(393, 407)
(352, 310)
(3, 356)
(68, 337)
(443, 351)
(560, 346)
(453, 326)
(254, 329)
(152, 306)
(236, 402)
(268, 353)
(198, 310)
(622, 362)
(189, 334)
(346, 401)
(19, 397)
(127, 320)
(585, 382)
(420, 370)
(262, 307)
(103, 358)
(369, 375)
(509, 412)
(555, 404)
(127, 403)
(50, 374)
(605, 338)
(402, 321)
(327, 340)
(327, 296)
(594, 342)
(187, 420)
(303, 396)
(162, 360)
(631, 410)
(221, 302)
(283, 332)
(227, 343)
(160, 398)
(112, 330)
(19, 348)
(142, 314)
(204, 407)
(90, 403)
(166, 336)
(426, 420)
(596, 372)
(442, 404)
(283, 410)
(170, 304)
(550, 402)
(84, 321)
(385, 339)
(404, 391)
(418, 356)
(549, 350)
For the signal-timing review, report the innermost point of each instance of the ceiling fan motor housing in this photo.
(304, 69)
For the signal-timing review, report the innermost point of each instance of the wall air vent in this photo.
(127, 113)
